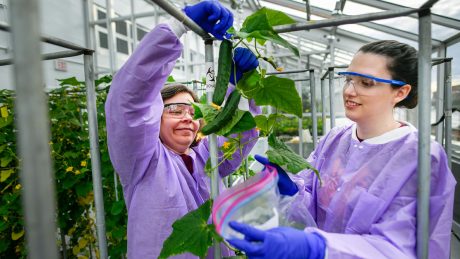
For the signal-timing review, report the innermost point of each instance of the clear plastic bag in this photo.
(253, 202)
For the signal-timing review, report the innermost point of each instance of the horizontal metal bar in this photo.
(438, 61)
(127, 17)
(376, 26)
(452, 40)
(49, 56)
(288, 72)
(53, 40)
(303, 54)
(301, 79)
(180, 16)
(351, 19)
(436, 19)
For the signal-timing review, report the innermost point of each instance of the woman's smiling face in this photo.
(178, 133)
(363, 102)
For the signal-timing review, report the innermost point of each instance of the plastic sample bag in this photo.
(253, 202)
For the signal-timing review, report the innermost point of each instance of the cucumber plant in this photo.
(279, 93)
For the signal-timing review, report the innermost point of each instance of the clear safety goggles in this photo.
(178, 110)
(362, 82)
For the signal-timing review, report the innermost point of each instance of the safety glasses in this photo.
(178, 110)
(363, 82)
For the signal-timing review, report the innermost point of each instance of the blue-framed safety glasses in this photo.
(388, 81)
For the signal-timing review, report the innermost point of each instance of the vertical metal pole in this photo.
(113, 65)
(94, 137)
(313, 106)
(86, 23)
(323, 105)
(331, 96)
(212, 139)
(424, 161)
(299, 90)
(95, 158)
(448, 110)
(38, 191)
(300, 125)
(89, 30)
(440, 94)
(110, 36)
(133, 25)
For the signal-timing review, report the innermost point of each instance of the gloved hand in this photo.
(212, 17)
(245, 61)
(285, 184)
(281, 242)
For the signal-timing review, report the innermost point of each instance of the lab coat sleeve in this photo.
(394, 234)
(134, 104)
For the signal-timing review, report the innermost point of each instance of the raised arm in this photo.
(133, 120)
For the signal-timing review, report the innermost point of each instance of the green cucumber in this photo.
(223, 73)
(224, 116)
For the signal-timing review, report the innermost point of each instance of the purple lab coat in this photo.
(158, 189)
(366, 206)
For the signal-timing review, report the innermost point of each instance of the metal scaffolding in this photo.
(32, 115)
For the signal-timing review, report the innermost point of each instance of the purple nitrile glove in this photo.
(245, 61)
(285, 184)
(212, 17)
(280, 242)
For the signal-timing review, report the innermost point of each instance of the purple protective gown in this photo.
(366, 206)
(158, 189)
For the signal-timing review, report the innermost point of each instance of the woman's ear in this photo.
(402, 92)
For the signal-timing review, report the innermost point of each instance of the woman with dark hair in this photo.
(366, 206)
(151, 131)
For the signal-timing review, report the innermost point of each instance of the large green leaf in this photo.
(241, 121)
(260, 24)
(277, 92)
(284, 156)
(265, 124)
(265, 19)
(191, 233)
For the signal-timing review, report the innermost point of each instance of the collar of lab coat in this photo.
(388, 136)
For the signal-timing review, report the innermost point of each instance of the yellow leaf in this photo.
(16, 236)
(69, 169)
(71, 231)
(75, 250)
(4, 111)
(5, 174)
(82, 243)
(83, 163)
(18, 186)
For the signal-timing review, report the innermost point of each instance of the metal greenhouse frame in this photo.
(32, 115)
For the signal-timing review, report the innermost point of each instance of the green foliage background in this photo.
(70, 153)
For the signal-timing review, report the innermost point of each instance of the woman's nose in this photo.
(187, 116)
(349, 89)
